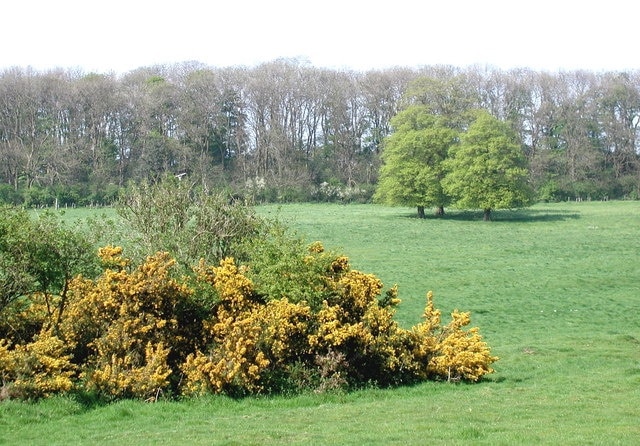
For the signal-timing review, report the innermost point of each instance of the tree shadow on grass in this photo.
(89, 400)
(534, 215)
(504, 215)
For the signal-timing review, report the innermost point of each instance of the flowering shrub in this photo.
(449, 352)
(248, 337)
(234, 362)
(145, 331)
(461, 354)
(7, 368)
(128, 329)
(125, 375)
(38, 369)
(338, 192)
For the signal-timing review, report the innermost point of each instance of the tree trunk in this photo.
(421, 212)
(487, 214)
(439, 211)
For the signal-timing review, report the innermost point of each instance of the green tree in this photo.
(56, 253)
(413, 160)
(14, 262)
(487, 170)
(38, 258)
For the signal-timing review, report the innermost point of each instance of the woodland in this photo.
(287, 131)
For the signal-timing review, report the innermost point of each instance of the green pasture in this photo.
(555, 290)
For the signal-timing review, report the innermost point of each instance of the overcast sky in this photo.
(117, 35)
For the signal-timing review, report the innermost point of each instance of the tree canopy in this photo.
(413, 155)
(487, 170)
(428, 163)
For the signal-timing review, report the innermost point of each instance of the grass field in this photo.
(555, 290)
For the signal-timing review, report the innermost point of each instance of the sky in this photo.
(122, 35)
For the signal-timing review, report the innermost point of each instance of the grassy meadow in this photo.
(555, 290)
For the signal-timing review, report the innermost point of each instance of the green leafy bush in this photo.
(186, 221)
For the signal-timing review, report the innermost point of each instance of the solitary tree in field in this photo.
(487, 170)
(413, 161)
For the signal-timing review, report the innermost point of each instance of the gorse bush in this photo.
(129, 327)
(40, 368)
(449, 351)
(234, 362)
(119, 334)
(146, 331)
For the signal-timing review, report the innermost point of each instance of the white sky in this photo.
(121, 35)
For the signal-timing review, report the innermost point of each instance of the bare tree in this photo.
(620, 118)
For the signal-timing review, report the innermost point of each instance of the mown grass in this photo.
(555, 290)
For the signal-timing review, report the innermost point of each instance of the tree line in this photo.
(285, 130)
